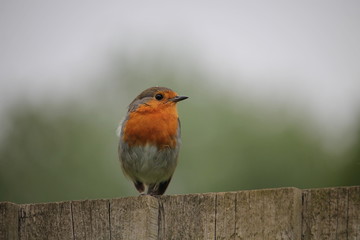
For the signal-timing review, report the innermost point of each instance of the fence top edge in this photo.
(183, 195)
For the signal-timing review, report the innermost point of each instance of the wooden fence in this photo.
(284, 213)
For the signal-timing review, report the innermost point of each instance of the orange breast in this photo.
(158, 127)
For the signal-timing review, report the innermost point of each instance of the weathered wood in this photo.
(91, 219)
(187, 216)
(285, 213)
(268, 214)
(9, 219)
(226, 215)
(353, 211)
(332, 213)
(46, 221)
(134, 218)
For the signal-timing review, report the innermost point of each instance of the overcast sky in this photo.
(301, 51)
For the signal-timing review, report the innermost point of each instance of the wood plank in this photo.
(226, 215)
(353, 221)
(91, 219)
(187, 216)
(134, 218)
(268, 214)
(331, 213)
(46, 221)
(9, 213)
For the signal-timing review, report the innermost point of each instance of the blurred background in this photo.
(274, 92)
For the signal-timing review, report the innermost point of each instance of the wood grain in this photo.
(9, 221)
(187, 216)
(268, 214)
(134, 218)
(284, 213)
(91, 219)
(46, 221)
(226, 215)
(331, 213)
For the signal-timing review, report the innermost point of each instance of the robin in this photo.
(150, 140)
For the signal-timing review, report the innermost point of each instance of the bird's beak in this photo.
(178, 98)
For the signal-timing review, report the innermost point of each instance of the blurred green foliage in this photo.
(68, 150)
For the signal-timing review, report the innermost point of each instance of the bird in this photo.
(150, 140)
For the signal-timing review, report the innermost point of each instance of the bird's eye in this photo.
(159, 96)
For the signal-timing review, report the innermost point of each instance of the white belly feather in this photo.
(146, 164)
